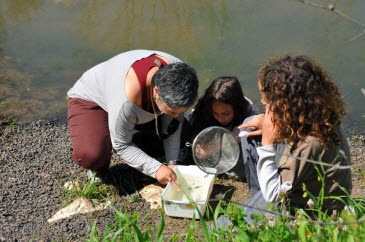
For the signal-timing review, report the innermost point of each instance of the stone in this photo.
(80, 205)
(152, 194)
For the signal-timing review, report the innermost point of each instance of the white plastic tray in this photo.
(196, 184)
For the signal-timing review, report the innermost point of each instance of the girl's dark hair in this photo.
(303, 99)
(226, 90)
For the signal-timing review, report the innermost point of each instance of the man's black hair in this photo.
(177, 85)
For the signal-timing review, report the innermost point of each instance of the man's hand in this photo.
(166, 174)
(256, 122)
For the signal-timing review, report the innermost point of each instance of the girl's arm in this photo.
(267, 168)
(267, 171)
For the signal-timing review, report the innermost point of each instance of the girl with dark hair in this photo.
(223, 104)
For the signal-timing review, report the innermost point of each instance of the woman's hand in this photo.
(256, 122)
(269, 129)
(166, 174)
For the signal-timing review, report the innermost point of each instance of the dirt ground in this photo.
(35, 161)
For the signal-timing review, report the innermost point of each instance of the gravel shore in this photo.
(36, 161)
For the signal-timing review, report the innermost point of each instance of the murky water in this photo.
(46, 45)
(196, 188)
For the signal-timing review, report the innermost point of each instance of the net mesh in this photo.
(215, 150)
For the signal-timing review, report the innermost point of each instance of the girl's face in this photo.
(222, 112)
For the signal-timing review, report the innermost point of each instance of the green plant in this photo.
(12, 121)
(125, 228)
(91, 190)
(8, 120)
(3, 103)
(312, 224)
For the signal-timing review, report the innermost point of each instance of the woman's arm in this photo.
(122, 142)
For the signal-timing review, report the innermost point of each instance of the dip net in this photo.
(215, 150)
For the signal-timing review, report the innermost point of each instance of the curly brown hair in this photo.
(303, 99)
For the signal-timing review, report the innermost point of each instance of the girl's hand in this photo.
(269, 129)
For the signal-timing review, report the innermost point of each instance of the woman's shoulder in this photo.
(251, 108)
(310, 143)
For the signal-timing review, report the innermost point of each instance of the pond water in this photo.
(46, 45)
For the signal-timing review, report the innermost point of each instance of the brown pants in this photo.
(90, 136)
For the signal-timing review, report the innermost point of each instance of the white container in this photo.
(196, 184)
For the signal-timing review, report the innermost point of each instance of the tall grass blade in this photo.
(302, 231)
(191, 229)
(93, 233)
(162, 225)
(136, 230)
(217, 211)
(114, 238)
(202, 221)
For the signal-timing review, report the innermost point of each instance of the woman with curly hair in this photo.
(301, 123)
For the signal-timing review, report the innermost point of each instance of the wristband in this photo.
(172, 162)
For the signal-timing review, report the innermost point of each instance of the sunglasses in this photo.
(173, 126)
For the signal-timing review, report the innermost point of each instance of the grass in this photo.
(345, 225)
(126, 228)
(91, 190)
(11, 121)
(336, 227)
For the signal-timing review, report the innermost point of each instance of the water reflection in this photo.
(127, 24)
(17, 11)
(46, 45)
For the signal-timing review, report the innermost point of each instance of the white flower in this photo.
(341, 220)
(272, 223)
(282, 191)
(345, 228)
(284, 188)
(350, 209)
(268, 216)
(310, 203)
